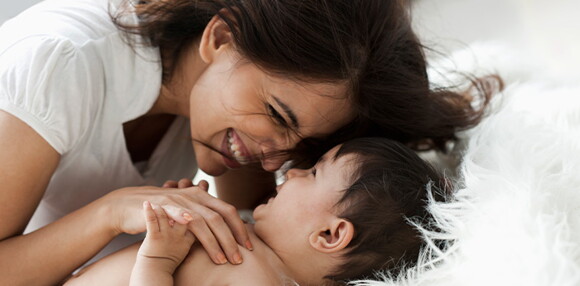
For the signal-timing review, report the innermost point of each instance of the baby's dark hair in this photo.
(389, 187)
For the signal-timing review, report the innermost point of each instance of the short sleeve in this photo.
(51, 85)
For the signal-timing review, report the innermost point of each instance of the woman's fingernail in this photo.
(221, 259)
(187, 216)
(237, 258)
(249, 245)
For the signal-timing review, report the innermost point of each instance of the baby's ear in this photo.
(334, 237)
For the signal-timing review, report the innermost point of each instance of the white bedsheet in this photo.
(516, 217)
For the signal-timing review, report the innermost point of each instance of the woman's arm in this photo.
(46, 256)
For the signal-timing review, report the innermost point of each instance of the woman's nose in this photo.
(286, 140)
(275, 151)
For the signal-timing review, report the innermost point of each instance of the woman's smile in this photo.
(235, 149)
(244, 112)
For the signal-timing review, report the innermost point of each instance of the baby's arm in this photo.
(164, 248)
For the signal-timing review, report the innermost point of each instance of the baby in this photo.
(342, 219)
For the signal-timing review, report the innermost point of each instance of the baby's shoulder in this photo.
(255, 270)
(251, 274)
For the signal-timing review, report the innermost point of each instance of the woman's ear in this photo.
(216, 36)
(333, 238)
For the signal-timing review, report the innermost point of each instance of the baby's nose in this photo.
(294, 173)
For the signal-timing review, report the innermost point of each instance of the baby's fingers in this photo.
(189, 237)
(162, 219)
(151, 221)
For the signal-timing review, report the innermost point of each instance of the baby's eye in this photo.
(313, 172)
(276, 115)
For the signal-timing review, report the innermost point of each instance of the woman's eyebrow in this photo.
(288, 112)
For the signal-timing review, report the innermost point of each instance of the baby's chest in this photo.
(196, 269)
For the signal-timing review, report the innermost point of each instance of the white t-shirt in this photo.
(66, 71)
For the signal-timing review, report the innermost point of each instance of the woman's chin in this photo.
(272, 165)
(212, 169)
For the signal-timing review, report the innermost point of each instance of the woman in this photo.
(91, 104)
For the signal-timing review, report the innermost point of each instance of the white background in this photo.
(549, 28)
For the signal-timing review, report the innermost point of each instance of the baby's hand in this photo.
(166, 243)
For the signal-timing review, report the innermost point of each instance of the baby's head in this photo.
(346, 217)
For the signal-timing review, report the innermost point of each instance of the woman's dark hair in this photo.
(367, 44)
(390, 185)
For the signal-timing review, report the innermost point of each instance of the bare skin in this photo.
(196, 269)
(299, 222)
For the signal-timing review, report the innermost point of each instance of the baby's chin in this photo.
(257, 227)
(259, 230)
(258, 213)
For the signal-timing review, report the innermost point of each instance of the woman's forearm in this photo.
(48, 255)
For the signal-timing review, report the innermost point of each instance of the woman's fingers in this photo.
(233, 220)
(170, 184)
(213, 222)
(203, 233)
(184, 183)
(177, 214)
(204, 185)
(179, 228)
(223, 234)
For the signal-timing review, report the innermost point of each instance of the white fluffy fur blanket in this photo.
(515, 219)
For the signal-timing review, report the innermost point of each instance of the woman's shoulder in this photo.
(72, 34)
(77, 21)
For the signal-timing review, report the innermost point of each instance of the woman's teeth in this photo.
(235, 149)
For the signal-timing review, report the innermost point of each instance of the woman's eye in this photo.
(276, 115)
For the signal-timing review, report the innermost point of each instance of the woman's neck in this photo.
(175, 91)
(170, 101)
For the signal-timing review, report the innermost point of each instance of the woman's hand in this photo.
(185, 183)
(214, 223)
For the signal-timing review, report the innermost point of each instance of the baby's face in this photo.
(304, 202)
